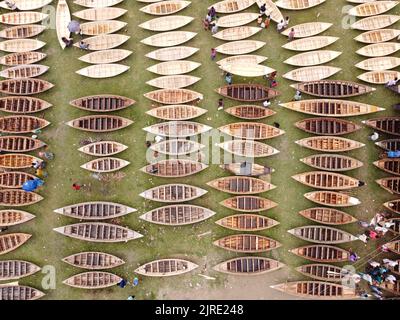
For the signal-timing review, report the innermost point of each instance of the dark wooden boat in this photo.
(98, 232)
(174, 168)
(247, 222)
(327, 180)
(322, 234)
(21, 124)
(391, 166)
(19, 293)
(19, 144)
(251, 130)
(332, 198)
(173, 193)
(389, 145)
(103, 148)
(391, 184)
(14, 179)
(20, 58)
(317, 290)
(248, 243)
(93, 260)
(328, 216)
(24, 86)
(329, 144)
(18, 198)
(395, 228)
(99, 123)
(247, 169)
(12, 217)
(393, 288)
(166, 268)
(102, 103)
(16, 104)
(324, 272)
(327, 126)
(173, 96)
(393, 205)
(389, 125)
(248, 148)
(178, 129)
(322, 253)
(248, 92)
(93, 280)
(10, 242)
(105, 165)
(248, 266)
(177, 215)
(333, 88)
(332, 162)
(241, 185)
(177, 147)
(394, 246)
(250, 112)
(16, 269)
(248, 203)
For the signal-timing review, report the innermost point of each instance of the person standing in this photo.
(291, 35)
(213, 54)
(286, 23)
(297, 96)
(263, 9)
(267, 22)
(221, 104)
(228, 78)
(280, 26)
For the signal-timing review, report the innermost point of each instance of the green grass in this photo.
(48, 247)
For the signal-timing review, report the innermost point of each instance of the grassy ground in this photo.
(47, 247)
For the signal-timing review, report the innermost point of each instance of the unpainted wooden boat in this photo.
(328, 216)
(327, 180)
(177, 67)
(248, 148)
(173, 96)
(393, 288)
(325, 272)
(312, 58)
(389, 144)
(20, 32)
(241, 185)
(16, 269)
(176, 112)
(99, 123)
(332, 198)
(379, 76)
(377, 36)
(18, 198)
(19, 144)
(247, 70)
(165, 7)
(106, 56)
(63, 18)
(178, 129)
(380, 63)
(394, 246)
(388, 125)
(93, 280)
(247, 169)
(248, 266)
(322, 253)
(248, 92)
(24, 71)
(95, 28)
(101, 71)
(177, 215)
(169, 39)
(105, 165)
(236, 19)
(327, 126)
(100, 14)
(272, 10)
(173, 193)
(311, 43)
(372, 8)
(25, 86)
(322, 234)
(93, 260)
(250, 112)
(375, 22)
(240, 47)
(314, 73)
(237, 33)
(105, 41)
(12, 217)
(174, 168)
(298, 4)
(19, 293)
(389, 165)
(102, 103)
(18, 58)
(393, 205)
(307, 29)
(247, 222)
(232, 6)
(332, 162)
(103, 148)
(21, 45)
(11, 241)
(166, 268)
(15, 104)
(251, 130)
(173, 81)
(25, 5)
(245, 59)
(177, 147)
(391, 184)
(248, 243)
(248, 203)
(379, 49)
(22, 17)
(167, 23)
(172, 53)
(21, 124)
(329, 144)
(97, 3)
(14, 179)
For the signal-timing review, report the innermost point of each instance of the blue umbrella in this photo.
(32, 185)
(74, 26)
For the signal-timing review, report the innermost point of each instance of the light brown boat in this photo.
(328, 216)
(20, 32)
(372, 8)
(327, 126)
(322, 253)
(232, 6)
(99, 123)
(380, 63)
(248, 92)
(25, 5)
(19, 144)
(247, 222)
(166, 268)
(103, 148)
(248, 266)
(24, 86)
(241, 185)
(379, 49)
(63, 18)
(251, 130)
(169, 39)
(388, 125)
(312, 58)
(173, 81)
(311, 43)
(105, 41)
(314, 73)
(12, 217)
(375, 22)
(11, 241)
(21, 45)
(250, 59)
(22, 17)
(393, 205)
(393, 288)
(174, 168)
(248, 148)
(97, 3)
(24, 71)
(173, 96)
(391, 166)
(298, 4)
(18, 58)
(105, 165)
(167, 23)
(18, 198)
(271, 9)
(307, 29)
(176, 112)
(173, 193)
(101, 71)
(93, 280)
(14, 179)
(327, 180)
(389, 144)
(332, 162)
(106, 56)
(377, 36)
(247, 70)
(16, 161)
(21, 124)
(100, 14)
(322, 234)
(379, 76)
(247, 169)
(19, 293)
(237, 33)
(240, 47)
(332, 198)
(165, 7)
(325, 272)
(247, 243)
(178, 129)
(177, 67)
(95, 28)
(248, 203)
(236, 19)
(172, 53)
(16, 269)
(93, 260)
(329, 144)
(250, 112)
(391, 184)
(177, 147)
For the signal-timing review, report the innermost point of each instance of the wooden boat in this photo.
(11, 241)
(177, 67)
(248, 203)
(388, 125)
(18, 58)
(19, 293)
(372, 8)
(394, 246)
(314, 73)
(380, 63)
(325, 272)
(178, 129)
(102, 103)
(391, 166)
(395, 227)
(247, 169)
(105, 41)
(103, 148)
(21, 124)
(15, 179)
(165, 7)
(177, 215)
(105, 165)
(24, 71)
(177, 147)
(100, 71)
(327, 180)
(298, 4)
(248, 92)
(20, 32)
(25, 5)
(93, 260)
(329, 144)
(93, 280)
(24, 86)
(232, 6)
(173, 96)
(97, 3)
(174, 168)
(271, 10)
(63, 18)
(248, 148)
(247, 222)
(389, 145)
(15, 104)
(322, 253)
(250, 112)
(248, 243)
(244, 70)
(328, 216)
(248, 266)
(322, 234)
(99, 123)
(106, 56)
(332, 198)
(173, 81)
(19, 144)
(317, 289)
(95, 28)
(22, 17)
(240, 47)
(172, 53)
(21, 45)
(16, 269)
(100, 14)
(173, 193)
(18, 198)
(327, 126)
(169, 39)
(395, 269)
(393, 288)
(312, 58)
(391, 184)
(375, 22)
(379, 76)
(98, 232)
(251, 130)
(332, 162)
(250, 59)
(379, 49)
(377, 36)
(393, 205)
(241, 185)
(176, 112)
(12, 217)
(307, 29)
(237, 33)
(236, 19)
(167, 23)
(16, 161)
(311, 43)
(166, 268)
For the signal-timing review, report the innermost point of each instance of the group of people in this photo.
(376, 228)
(123, 283)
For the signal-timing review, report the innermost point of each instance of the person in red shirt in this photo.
(76, 187)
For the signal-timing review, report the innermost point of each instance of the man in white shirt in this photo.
(391, 83)
(266, 103)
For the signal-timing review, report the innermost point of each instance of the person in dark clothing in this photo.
(122, 283)
(68, 42)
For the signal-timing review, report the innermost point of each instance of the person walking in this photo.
(267, 22)
(213, 54)
(228, 78)
(291, 34)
